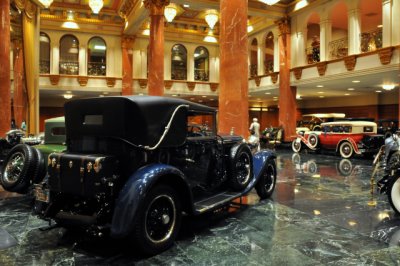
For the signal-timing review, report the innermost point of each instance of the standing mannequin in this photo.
(256, 127)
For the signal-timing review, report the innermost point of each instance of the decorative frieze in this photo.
(297, 72)
(385, 55)
(110, 81)
(54, 79)
(83, 80)
(350, 62)
(191, 85)
(322, 66)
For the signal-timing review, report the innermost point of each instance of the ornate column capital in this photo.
(283, 25)
(156, 7)
(127, 41)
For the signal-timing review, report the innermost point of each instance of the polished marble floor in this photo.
(322, 213)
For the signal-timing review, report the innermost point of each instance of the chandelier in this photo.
(270, 2)
(170, 12)
(96, 5)
(210, 37)
(211, 18)
(46, 3)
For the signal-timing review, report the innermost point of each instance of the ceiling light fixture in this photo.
(46, 3)
(170, 12)
(350, 89)
(96, 5)
(320, 86)
(356, 81)
(211, 18)
(270, 2)
(68, 96)
(388, 87)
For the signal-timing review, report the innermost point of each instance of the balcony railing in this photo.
(268, 66)
(44, 66)
(253, 70)
(338, 48)
(371, 40)
(313, 54)
(200, 74)
(96, 69)
(69, 67)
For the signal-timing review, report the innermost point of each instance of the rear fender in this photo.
(259, 163)
(135, 190)
(351, 141)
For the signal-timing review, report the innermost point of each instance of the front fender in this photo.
(133, 193)
(259, 162)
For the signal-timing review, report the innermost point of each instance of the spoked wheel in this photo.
(313, 140)
(296, 145)
(19, 168)
(346, 150)
(158, 221)
(266, 185)
(241, 170)
(394, 161)
(394, 194)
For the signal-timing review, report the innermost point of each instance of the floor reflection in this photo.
(323, 211)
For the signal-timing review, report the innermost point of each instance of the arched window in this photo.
(69, 55)
(44, 53)
(201, 64)
(313, 42)
(178, 62)
(269, 53)
(253, 58)
(96, 57)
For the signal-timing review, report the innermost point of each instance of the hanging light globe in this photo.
(96, 5)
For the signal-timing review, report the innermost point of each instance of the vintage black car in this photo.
(134, 165)
(388, 160)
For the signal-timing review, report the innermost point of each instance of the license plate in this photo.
(42, 194)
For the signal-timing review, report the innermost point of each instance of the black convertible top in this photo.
(140, 120)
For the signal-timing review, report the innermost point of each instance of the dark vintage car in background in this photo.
(344, 137)
(25, 164)
(133, 165)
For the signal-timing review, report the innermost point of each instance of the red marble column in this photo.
(287, 94)
(127, 64)
(156, 46)
(20, 100)
(5, 92)
(233, 95)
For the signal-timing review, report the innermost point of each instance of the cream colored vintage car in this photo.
(344, 137)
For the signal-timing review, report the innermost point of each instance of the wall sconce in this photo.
(170, 12)
(211, 18)
(96, 5)
(210, 37)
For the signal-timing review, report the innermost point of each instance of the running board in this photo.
(215, 201)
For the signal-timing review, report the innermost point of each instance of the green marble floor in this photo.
(322, 213)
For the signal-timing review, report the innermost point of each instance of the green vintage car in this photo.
(25, 165)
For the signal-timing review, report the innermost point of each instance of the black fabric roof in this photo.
(138, 119)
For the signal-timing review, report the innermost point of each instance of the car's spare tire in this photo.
(19, 168)
(241, 167)
(40, 171)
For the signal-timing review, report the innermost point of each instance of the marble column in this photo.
(395, 22)
(233, 95)
(387, 23)
(287, 94)
(55, 55)
(20, 100)
(156, 46)
(127, 67)
(325, 39)
(354, 31)
(5, 91)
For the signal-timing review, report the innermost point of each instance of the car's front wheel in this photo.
(394, 194)
(296, 145)
(346, 150)
(158, 221)
(266, 185)
(19, 167)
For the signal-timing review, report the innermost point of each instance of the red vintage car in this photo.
(345, 137)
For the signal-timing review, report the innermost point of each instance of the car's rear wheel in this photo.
(394, 194)
(266, 185)
(18, 168)
(241, 167)
(296, 145)
(158, 221)
(346, 150)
